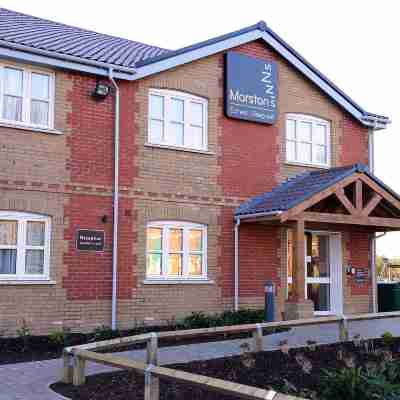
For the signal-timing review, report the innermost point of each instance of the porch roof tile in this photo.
(301, 187)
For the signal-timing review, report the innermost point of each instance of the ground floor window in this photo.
(176, 250)
(24, 245)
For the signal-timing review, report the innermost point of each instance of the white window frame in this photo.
(187, 98)
(314, 121)
(22, 220)
(27, 96)
(185, 226)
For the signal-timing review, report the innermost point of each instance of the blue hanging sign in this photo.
(251, 88)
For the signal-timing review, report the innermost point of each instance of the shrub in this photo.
(387, 339)
(24, 333)
(358, 383)
(59, 337)
(104, 332)
(202, 320)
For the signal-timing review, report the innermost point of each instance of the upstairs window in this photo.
(176, 250)
(26, 97)
(24, 246)
(177, 119)
(307, 140)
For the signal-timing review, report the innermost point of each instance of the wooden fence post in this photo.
(151, 383)
(258, 339)
(344, 329)
(68, 369)
(79, 370)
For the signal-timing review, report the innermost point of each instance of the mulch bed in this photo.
(295, 369)
(38, 348)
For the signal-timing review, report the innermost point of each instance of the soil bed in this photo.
(38, 348)
(296, 370)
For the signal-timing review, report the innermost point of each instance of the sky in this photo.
(350, 41)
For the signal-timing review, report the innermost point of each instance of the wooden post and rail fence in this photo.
(75, 358)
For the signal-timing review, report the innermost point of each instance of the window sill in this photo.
(299, 164)
(177, 148)
(178, 282)
(30, 128)
(26, 282)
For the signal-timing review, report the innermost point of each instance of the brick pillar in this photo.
(298, 307)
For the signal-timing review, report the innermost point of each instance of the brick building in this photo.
(213, 192)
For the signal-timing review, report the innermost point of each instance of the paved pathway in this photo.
(29, 381)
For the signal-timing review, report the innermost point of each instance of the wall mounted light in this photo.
(104, 219)
(101, 91)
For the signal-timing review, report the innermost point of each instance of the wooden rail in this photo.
(168, 374)
(75, 357)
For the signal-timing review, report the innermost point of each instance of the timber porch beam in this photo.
(349, 219)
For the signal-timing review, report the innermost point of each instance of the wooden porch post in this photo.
(299, 261)
(297, 306)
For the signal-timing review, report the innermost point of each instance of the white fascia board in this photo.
(193, 55)
(322, 84)
(22, 56)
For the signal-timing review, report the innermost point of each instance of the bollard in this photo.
(269, 290)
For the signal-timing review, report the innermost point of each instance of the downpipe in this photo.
(236, 229)
(115, 204)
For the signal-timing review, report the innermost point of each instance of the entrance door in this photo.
(324, 272)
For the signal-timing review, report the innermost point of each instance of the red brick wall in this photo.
(259, 260)
(358, 247)
(250, 151)
(91, 142)
(87, 273)
(92, 135)
(249, 166)
(355, 142)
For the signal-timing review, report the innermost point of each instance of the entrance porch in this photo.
(328, 221)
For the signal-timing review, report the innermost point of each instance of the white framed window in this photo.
(177, 119)
(176, 250)
(26, 97)
(307, 140)
(24, 246)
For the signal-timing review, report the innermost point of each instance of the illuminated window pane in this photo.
(175, 264)
(8, 233)
(154, 264)
(175, 240)
(195, 240)
(154, 239)
(195, 264)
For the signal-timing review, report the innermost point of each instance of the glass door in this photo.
(318, 271)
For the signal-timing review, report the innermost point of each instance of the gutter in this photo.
(376, 123)
(96, 65)
(115, 205)
(238, 218)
